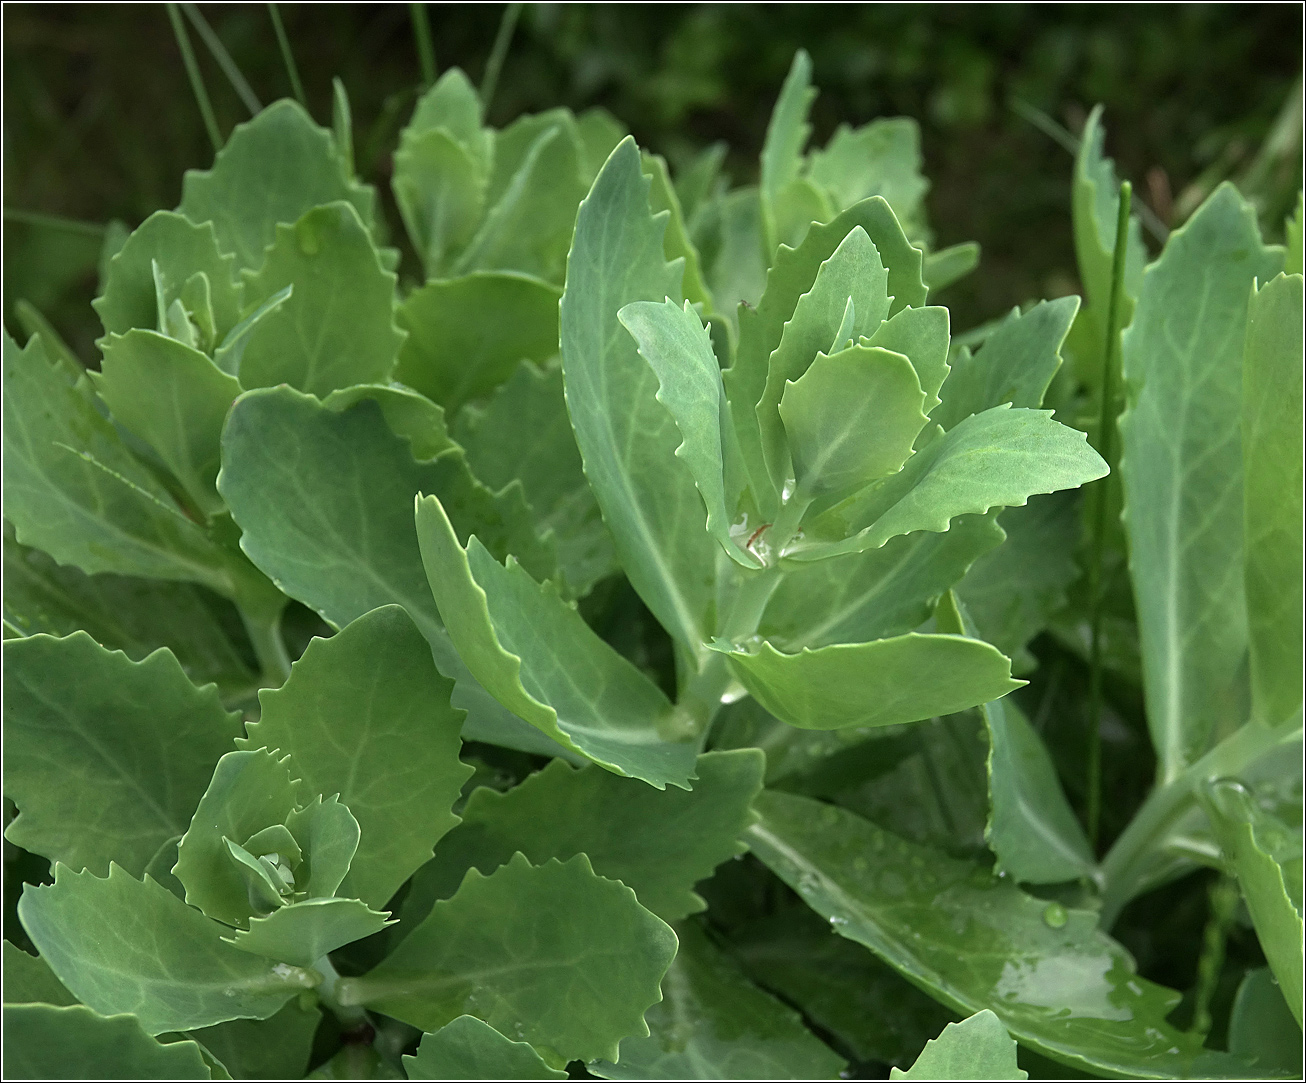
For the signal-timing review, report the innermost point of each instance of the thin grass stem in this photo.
(498, 53)
(287, 56)
(196, 80)
(425, 50)
(1105, 439)
(219, 53)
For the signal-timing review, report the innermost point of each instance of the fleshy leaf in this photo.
(179, 248)
(175, 399)
(126, 945)
(713, 1023)
(973, 941)
(854, 273)
(293, 474)
(303, 932)
(786, 136)
(627, 438)
(249, 791)
(882, 158)
(28, 979)
(73, 489)
(273, 1048)
(138, 738)
(1272, 495)
(452, 357)
(44, 1042)
(467, 1048)
(995, 459)
(1015, 364)
(1262, 1030)
(272, 170)
(880, 683)
(560, 812)
(949, 265)
(851, 418)
(540, 659)
(524, 434)
(1247, 836)
(328, 835)
(366, 715)
(1182, 467)
(677, 347)
(677, 244)
(553, 954)
(409, 414)
(440, 191)
(315, 341)
(975, 1048)
(921, 335)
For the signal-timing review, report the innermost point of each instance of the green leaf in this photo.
(304, 932)
(539, 658)
(1182, 467)
(273, 1048)
(410, 415)
(272, 170)
(554, 954)
(1272, 495)
(293, 473)
(524, 434)
(882, 158)
(179, 248)
(528, 226)
(975, 1048)
(920, 335)
(855, 276)
(135, 616)
(1262, 1030)
(314, 342)
(627, 438)
(599, 132)
(467, 335)
(175, 399)
(793, 274)
(74, 490)
(677, 347)
(876, 594)
(138, 738)
(881, 683)
(713, 1023)
(786, 135)
(1012, 591)
(949, 265)
(249, 791)
(466, 1048)
(28, 979)
(1015, 364)
(1250, 838)
(327, 833)
(730, 237)
(1057, 983)
(1292, 230)
(366, 715)
(851, 418)
(125, 945)
(44, 1042)
(995, 459)
(677, 243)
(560, 812)
(440, 190)
(453, 104)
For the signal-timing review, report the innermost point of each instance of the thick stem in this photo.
(264, 633)
(700, 700)
(349, 1015)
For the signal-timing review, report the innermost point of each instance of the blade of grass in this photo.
(425, 51)
(196, 81)
(219, 53)
(287, 56)
(494, 65)
(1106, 431)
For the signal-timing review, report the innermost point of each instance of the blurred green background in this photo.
(100, 122)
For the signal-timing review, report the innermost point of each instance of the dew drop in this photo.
(1054, 915)
(808, 882)
(838, 920)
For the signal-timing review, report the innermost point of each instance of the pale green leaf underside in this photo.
(540, 659)
(975, 1048)
(467, 1048)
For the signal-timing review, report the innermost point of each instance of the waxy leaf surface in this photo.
(302, 933)
(122, 945)
(470, 1049)
(29, 980)
(105, 758)
(975, 1048)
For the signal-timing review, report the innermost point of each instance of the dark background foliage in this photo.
(100, 123)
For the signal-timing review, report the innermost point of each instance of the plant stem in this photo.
(1223, 903)
(425, 51)
(53, 221)
(219, 53)
(196, 81)
(494, 65)
(287, 56)
(1106, 430)
(349, 1015)
(263, 626)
